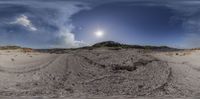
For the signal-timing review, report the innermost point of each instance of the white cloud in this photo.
(65, 35)
(24, 21)
(67, 39)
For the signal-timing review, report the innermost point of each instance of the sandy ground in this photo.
(100, 72)
(185, 67)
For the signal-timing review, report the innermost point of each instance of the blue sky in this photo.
(72, 23)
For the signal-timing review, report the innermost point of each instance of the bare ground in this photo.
(99, 72)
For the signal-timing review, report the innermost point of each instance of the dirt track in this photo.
(99, 72)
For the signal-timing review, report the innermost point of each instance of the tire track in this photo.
(23, 69)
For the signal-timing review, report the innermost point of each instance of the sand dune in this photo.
(99, 72)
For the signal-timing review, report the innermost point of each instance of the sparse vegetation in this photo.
(9, 47)
(117, 46)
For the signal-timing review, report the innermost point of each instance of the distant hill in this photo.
(107, 44)
(116, 44)
(16, 48)
(9, 47)
(110, 44)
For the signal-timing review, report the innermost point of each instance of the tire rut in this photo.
(23, 70)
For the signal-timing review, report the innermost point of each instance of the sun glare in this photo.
(99, 33)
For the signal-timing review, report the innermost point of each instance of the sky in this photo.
(77, 23)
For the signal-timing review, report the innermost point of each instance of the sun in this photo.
(99, 33)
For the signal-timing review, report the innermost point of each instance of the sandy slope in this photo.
(185, 67)
(98, 72)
